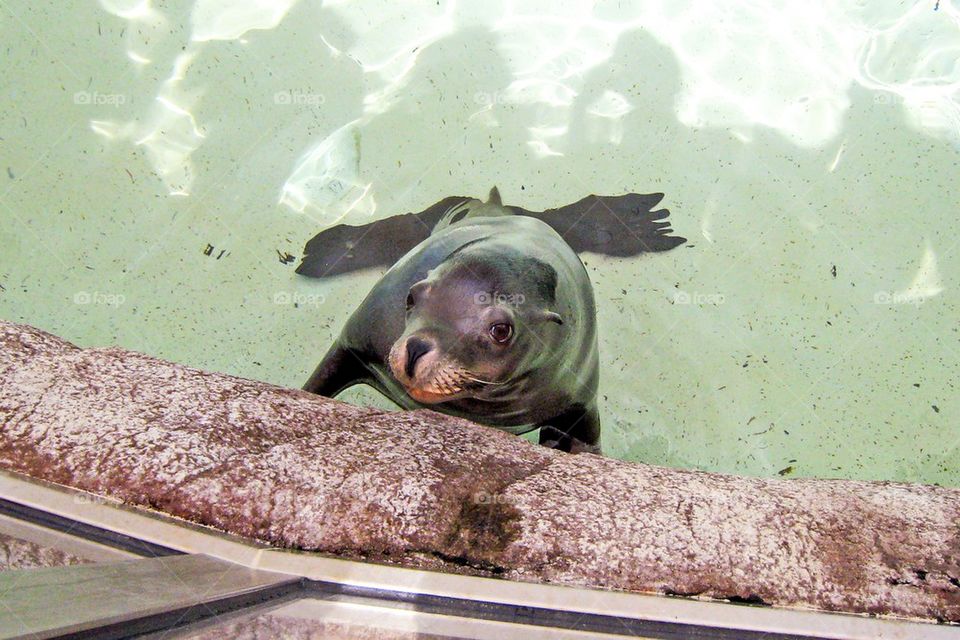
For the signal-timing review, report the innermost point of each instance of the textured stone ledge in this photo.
(425, 490)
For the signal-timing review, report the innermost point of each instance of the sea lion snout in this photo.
(416, 348)
(413, 358)
(427, 374)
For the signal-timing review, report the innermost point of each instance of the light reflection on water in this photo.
(784, 66)
(809, 152)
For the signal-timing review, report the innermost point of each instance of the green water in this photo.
(156, 161)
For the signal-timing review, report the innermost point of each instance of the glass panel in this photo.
(130, 595)
(16, 553)
(353, 618)
(26, 546)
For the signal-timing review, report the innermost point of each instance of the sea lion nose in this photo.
(415, 349)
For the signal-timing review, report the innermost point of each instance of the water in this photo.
(157, 161)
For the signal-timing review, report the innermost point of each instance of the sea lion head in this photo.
(476, 326)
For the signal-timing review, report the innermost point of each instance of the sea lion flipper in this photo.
(348, 248)
(339, 369)
(577, 430)
(625, 225)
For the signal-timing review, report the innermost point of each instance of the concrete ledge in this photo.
(423, 490)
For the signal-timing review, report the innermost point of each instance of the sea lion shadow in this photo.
(623, 226)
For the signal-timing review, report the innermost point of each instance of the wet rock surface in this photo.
(426, 490)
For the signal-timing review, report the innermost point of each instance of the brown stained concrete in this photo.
(426, 490)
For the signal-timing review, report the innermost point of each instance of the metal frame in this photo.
(229, 574)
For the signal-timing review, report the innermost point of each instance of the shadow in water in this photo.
(626, 225)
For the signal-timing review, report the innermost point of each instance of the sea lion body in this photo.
(491, 318)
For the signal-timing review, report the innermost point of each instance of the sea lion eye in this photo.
(409, 301)
(501, 332)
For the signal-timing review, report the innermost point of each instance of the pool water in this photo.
(163, 164)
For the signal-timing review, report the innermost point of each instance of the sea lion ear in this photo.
(551, 316)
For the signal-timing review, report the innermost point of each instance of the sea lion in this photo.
(491, 318)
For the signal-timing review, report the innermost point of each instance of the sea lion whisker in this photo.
(479, 381)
